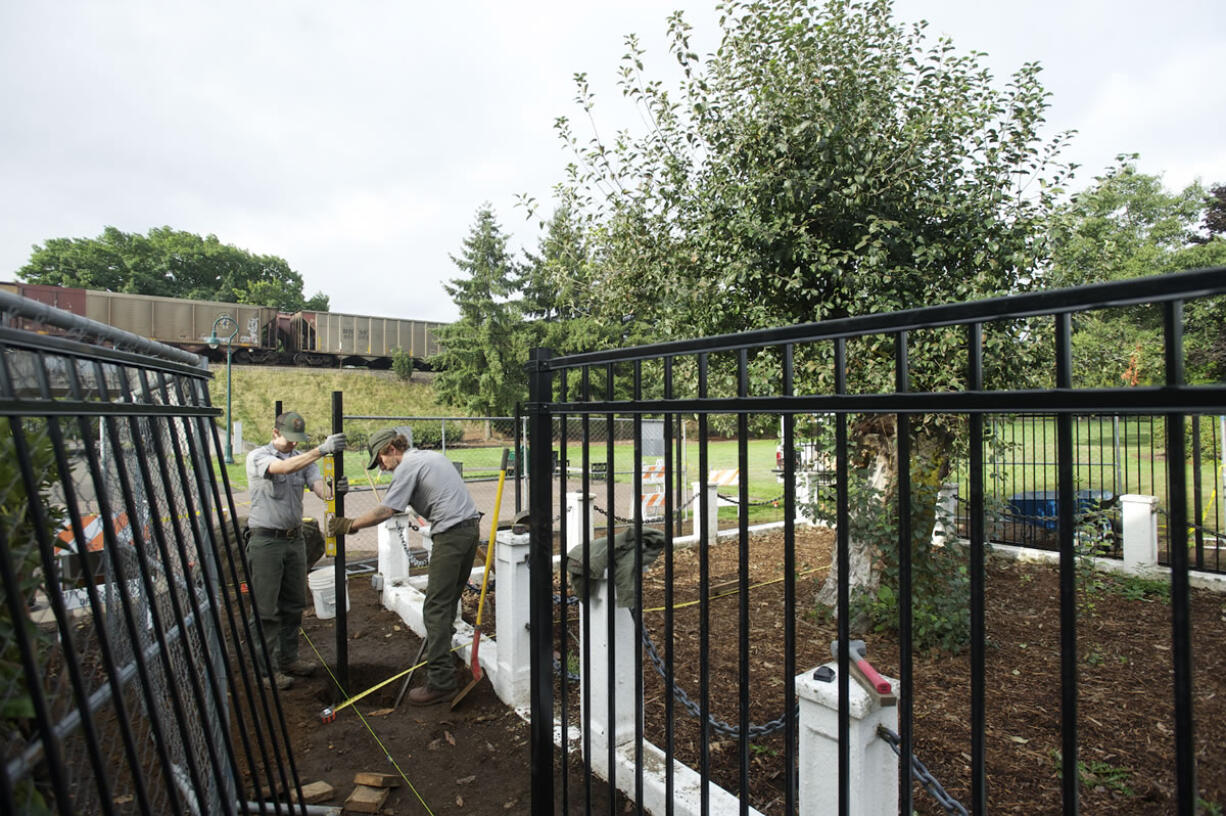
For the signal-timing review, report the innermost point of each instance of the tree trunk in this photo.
(876, 456)
(878, 449)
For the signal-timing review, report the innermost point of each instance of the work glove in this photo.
(339, 526)
(341, 486)
(333, 444)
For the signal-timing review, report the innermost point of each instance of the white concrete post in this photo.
(574, 518)
(512, 680)
(873, 775)
(712, 507)
(617, 652)
(1140, 521)
(393, 560)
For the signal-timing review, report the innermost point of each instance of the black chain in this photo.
(922, 775)
(918, 769)
(1192, 525)
(753, 732)
(649, 520)
(751, 502)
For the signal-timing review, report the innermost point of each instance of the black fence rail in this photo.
(963, 390)
(126, 680)
(1114, 455)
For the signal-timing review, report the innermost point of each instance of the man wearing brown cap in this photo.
(277, 474)
(429, 483)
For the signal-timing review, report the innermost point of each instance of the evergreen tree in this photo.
(481, 365)
(560, 297)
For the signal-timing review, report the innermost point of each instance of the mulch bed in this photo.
(1125, 706)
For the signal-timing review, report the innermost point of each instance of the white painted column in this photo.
(712, 506)
(402, 593)
(393, 560)
(596, 690)
(512, 680)
(574, 518)
(1140, 519)
(874, 766)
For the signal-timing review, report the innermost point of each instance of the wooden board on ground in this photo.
(366, 799)
(376, 780)
(314, 793)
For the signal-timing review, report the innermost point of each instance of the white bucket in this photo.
(322, 582)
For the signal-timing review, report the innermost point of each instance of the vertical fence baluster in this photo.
(1181, 621)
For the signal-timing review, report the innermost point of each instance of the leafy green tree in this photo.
(481, 365)
(169, 263)
(1127, 225)
(560, 301)
(824, 162)
(1215, 213)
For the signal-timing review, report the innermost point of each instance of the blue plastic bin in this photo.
(1041, 508)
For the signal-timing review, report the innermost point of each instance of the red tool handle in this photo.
(880, 683)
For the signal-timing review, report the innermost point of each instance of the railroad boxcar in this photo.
(328, 338)
(188, 323)
(264, 335)
(174, 321)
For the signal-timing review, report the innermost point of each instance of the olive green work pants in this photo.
(278, 590)
(451, 563)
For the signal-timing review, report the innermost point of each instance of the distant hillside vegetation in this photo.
(309, 392)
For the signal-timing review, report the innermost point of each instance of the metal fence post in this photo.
(540, 560)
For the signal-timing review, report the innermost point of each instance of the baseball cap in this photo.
(378, 441)
(292, 426)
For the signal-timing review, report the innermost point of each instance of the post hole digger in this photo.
(485, 579)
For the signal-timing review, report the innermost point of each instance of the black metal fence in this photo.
(721, 377)
(126, 654)
(1114, 455)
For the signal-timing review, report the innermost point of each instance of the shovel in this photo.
(489, 557)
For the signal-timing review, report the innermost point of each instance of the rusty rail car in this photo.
(265, 335)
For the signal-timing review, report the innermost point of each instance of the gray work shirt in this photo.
(276, 498)
(430, 483)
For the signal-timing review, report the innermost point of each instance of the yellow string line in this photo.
(366, 723)
(730, 592)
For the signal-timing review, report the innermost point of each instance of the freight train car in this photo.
(174, 321)
(323, 338)
(264, 335)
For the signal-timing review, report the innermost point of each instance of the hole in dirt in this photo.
(363, 676)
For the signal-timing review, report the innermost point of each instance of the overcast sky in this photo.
(357, 140)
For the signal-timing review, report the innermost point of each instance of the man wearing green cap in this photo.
(429, 483)
(277, 474)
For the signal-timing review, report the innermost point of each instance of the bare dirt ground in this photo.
(476, 759)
